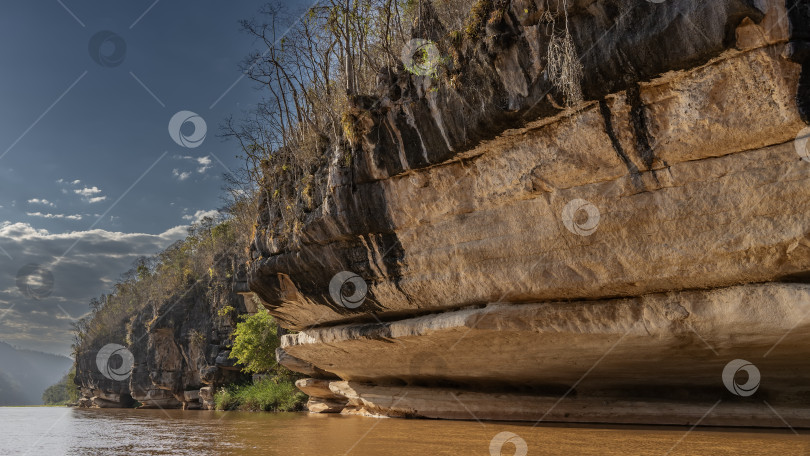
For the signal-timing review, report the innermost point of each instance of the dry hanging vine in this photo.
(563, 67)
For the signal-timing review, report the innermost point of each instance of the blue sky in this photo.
(88, 165)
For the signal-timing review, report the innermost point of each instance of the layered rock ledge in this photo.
(631, 353)
(600, 263)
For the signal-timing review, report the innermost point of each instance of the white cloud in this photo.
(20, 231)
(199, 215)
(44, 202)
(181, 175)
(87, 191)
(203, 165)
(178, 232)
(90, 194)
(94, 261)
(54, 216)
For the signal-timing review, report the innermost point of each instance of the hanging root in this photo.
(563, 67)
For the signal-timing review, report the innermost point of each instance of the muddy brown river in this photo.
(57, 431)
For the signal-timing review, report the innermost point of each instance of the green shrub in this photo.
(268, 395)
(224, 399)
(255, 342)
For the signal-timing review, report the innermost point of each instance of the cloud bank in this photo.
(94, 262)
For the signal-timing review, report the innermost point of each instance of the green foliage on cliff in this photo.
(64, 392)
(277, 394)
(255, 342)
(207, 257)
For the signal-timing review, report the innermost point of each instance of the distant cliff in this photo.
(504, 246)
(176, 347)
(163, 337)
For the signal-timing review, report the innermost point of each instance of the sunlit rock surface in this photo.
(446, 403)
(601, 263)
(666, 347)
(321, 398)
(694, 174)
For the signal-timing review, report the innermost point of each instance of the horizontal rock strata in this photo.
(321, 405)
(460, 405)
(632, 353)
(721, 203)
(672, 339)
(605, 262)
(321, 398)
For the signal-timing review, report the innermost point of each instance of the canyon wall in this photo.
(494, 250)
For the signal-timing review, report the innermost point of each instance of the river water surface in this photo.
(56, 431)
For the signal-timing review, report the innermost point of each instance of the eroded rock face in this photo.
(454, 404)
(641, 346)
(93, 384)
(181, 347)
(673, 166)
(622, 251)
(206, 395)
(321, 398)
(178, 348)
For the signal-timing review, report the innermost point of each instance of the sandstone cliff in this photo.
(523, 255)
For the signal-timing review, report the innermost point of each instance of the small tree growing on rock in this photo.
(255, 342)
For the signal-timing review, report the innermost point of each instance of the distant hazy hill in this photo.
(25, 374)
